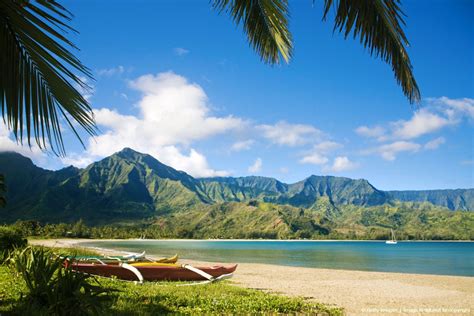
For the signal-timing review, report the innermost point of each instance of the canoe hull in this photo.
(152, 273)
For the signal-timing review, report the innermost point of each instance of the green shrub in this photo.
(53, 289)
(9, 240)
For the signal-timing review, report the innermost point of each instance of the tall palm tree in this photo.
(39, 75)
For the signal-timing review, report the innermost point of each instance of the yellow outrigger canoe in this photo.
(168, 260)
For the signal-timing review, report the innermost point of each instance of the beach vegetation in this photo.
(51, 288)
(128, 298)
(10, 238)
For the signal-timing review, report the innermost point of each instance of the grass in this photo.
(167, 298)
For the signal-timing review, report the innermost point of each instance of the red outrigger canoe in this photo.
(158, 272)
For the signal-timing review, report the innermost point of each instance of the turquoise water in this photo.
(446, 258)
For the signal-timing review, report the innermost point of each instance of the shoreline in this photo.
(358, 292)
(259, 240)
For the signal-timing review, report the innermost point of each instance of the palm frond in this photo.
(266, 24)
(378, 24)
(37, 80)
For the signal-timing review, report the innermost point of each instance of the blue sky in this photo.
(179, 81)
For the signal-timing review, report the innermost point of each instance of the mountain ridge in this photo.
(129, 185)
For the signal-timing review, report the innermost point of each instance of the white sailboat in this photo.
(392, 241)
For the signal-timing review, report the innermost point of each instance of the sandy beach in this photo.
(358, 292)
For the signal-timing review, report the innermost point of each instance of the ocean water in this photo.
(444, 258)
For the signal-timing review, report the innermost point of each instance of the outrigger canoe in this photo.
(117, 259)
(155, 272)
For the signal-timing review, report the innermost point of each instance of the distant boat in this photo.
(392, 241)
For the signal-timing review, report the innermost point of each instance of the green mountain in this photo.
(459, 199)
(340, 191)
(130, 187)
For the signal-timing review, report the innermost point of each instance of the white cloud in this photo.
(181, 51)
(422, 122)
(8, 144)
(173, 113)
(373, 132)
(283, 133)
(242, 145)
(315, 159)
(77, 160)
(456, 107)
(284, 170)
(317, 156)
(438, 114)
(327, 146)
(435, 143)
(389, 151)
(341, 163)
(109, 72)
(257, 166)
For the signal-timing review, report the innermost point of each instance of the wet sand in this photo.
(358, 292)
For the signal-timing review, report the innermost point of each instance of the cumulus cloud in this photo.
(242, 145)
(373, 132)
(435, 143)
(327, 146)
(283, 133)
(340, 164)
(173, 113)
(256, 166)
(319, 152)
(454, 107)
(422, 122)
(8, 144)
(438, 114)
(181, 51)
(314, 158)
(389, 151)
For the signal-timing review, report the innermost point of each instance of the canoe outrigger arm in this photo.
(133, 270)
(205, 275)
(209, 278)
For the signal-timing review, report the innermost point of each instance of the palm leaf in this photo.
(266, 24)
(378, 24)
(37, 74)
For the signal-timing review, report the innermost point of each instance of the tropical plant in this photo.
(53, 289)
(39, 89)
(10, 238)
(38, 86)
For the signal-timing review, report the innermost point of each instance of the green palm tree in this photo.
(40, 76)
